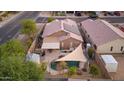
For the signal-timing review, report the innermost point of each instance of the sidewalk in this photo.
(45, 14)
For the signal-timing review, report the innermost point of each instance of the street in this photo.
(9, 30)
(80, 19)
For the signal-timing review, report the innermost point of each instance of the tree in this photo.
(90, 52)
(5, 14)
(12, 48)
(33, 71)
(72, 71)
(63, 65)
(11, 68)
(28, 27)
(94, 70)
(15, 69)
(50, 19)
(13, 65)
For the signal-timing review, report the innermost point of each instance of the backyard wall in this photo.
(101, 64)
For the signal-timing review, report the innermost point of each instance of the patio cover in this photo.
(76, 55)
(51, 43)
(51, 46)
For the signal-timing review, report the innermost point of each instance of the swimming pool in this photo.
(69, 64)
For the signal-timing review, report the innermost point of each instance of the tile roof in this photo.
(101, 31)
(66, 25)
(52, 27)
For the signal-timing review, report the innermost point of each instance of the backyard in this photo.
(119, 74)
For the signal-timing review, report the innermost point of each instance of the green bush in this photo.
(13, 65)
(94, 70)
(90, 52)
(50, 19)
(12, 48)
(15, 69)
(72, 70)
(28, 27)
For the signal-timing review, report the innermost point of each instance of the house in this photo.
(121, 27)
(62, 42)
(103, 35)
(62, 34)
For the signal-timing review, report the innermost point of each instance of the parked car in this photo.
(70, 12)
(93, 15)
(77, 13)
(111, 13)
(117, 13)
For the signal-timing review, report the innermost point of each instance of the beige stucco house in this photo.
(62, 34)
(106, 37)
(62, 42)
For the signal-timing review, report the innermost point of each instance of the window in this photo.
(88, 36)
(121, 48)
(111, 48)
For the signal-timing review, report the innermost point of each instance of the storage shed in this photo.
(110, 63)
(33, 58)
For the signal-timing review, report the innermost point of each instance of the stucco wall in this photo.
(67, 43)
(106, 48)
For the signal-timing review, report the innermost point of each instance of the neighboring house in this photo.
(61, 38)
(121, 27)
(106, 37)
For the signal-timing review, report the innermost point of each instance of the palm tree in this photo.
(62, 65)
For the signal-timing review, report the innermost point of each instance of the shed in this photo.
(33, 58)
(110, 63)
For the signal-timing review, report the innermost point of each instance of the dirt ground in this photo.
(120, 71)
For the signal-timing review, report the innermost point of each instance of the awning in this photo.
(76, 55)
(51, 46)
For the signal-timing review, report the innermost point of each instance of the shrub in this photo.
(28, 27)
(90, 52)
(72, 71)
(50, 19)
(94, 70)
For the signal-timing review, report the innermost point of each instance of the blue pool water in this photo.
(69, 64)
